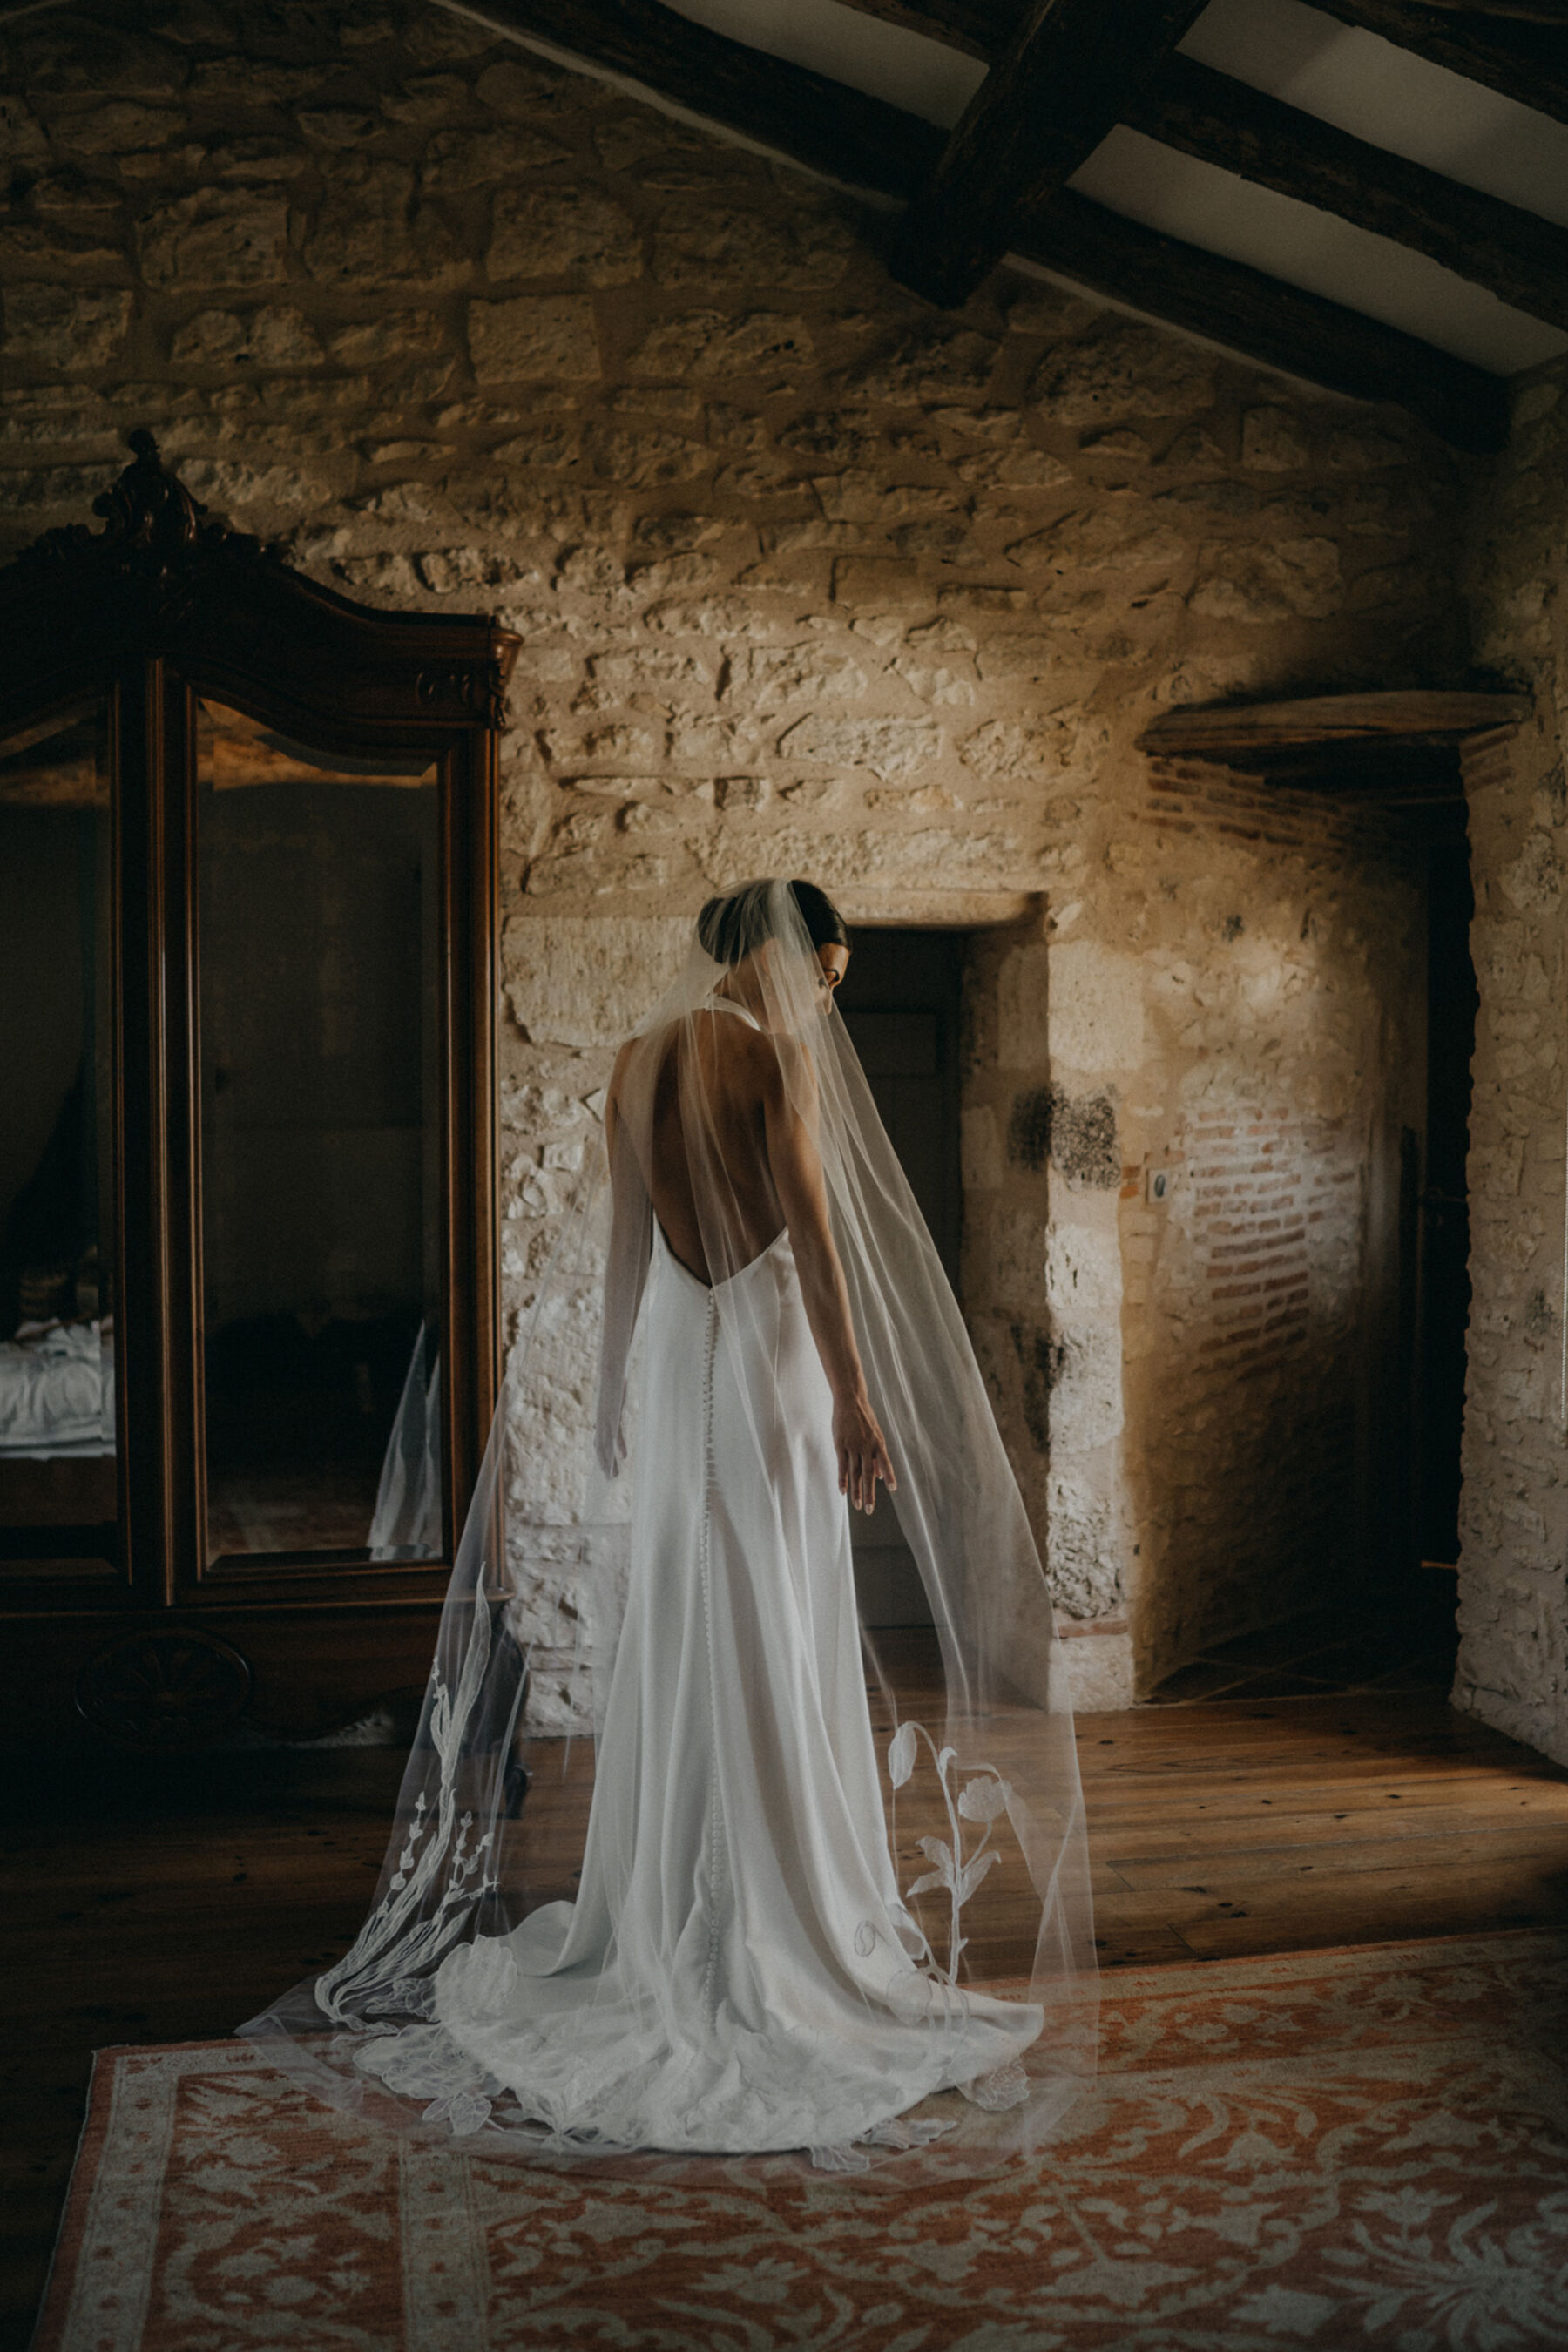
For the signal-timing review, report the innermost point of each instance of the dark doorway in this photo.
(901, 999)
(1388, 1625)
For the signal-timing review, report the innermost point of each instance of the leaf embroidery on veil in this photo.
(406, 1936)
(983, 1799)
(923, 1989)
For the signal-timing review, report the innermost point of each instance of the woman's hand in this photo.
(862, 1453)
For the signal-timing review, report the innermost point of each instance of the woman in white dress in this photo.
(736, 1971)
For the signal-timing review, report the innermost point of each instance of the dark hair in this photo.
(729, 927)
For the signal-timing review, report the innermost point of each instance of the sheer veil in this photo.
(973, 1735)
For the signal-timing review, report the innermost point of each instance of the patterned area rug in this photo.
(1360, 2148)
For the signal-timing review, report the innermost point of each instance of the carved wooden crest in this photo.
(136, 578)
(163, 577)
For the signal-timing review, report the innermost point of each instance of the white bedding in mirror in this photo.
(57, 1391)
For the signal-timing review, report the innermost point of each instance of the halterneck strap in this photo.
(728, 1005)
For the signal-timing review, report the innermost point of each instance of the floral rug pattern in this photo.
(1363, 2148)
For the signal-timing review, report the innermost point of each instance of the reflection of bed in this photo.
(57, 1427)
(57, 1391)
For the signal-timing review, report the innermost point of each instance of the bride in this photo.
(722, 1960)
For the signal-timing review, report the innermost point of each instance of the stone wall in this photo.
(815, 580)
(1513, 1611)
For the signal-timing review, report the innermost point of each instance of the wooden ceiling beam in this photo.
(832, 129)
(1527, 61)
(1065, 79)
(1265, 319)
(1516, 254)
(865, 144)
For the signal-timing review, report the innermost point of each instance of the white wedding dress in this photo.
(741, 1972)
(733, 1975)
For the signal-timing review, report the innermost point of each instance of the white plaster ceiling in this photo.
(1355, 80)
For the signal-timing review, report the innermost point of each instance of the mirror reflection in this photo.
(57, 1488)
(318, 948)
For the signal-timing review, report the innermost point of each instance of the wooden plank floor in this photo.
(165, 1901)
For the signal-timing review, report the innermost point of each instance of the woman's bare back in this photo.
(737, 1062)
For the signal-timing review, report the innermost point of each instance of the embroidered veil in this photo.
(787, 1884)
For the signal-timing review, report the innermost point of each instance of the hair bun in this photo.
(733, 925)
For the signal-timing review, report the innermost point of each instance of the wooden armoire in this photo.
(249, 1321)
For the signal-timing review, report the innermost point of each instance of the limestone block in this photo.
(1272, 441)
(424, 99)
(557, 447)
(57, 413)
(1221, 497)
(1362, 450)
(714, 241)
(53, 486)
(251, 81)
(1533, 880)
(1126, 369)
(946, 688)
(74, 200)
(585, 981)
(1120, 445)
(27, 250)
(720, 342)
(219, 237)
(22, 140)
(1297, 577)
(1083, 1276)
(677, 534)
(1085, 1408)
(232, 484)
(1194, 446)
(560, 1698)
(863, 494)
(1099, 1673)
(770, 677)
(1113, 538)
(563, 229)
(531, 93)
(1388, 584)
(735, 792)
(75, 332)
(1005, 752)
(1082, 1564)
(370, 232)
(1022, 1038)
(534, 336)
(1025, 469)
(650, 458)
(980, 1142)
(338, 126)
(270, 338)
(1096, 1007)
(459, 160)
(839, 437)
(628, 139)
(879, 585)
(390, 334)
(925, 365)
(651, 669)
(1011, 1259)
(1033, 307)
(897, 749)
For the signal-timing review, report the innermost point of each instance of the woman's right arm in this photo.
(796, 1166)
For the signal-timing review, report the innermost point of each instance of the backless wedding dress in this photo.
(748, 1962)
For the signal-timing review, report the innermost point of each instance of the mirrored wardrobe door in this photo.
(319, 960)
(58, 1489)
